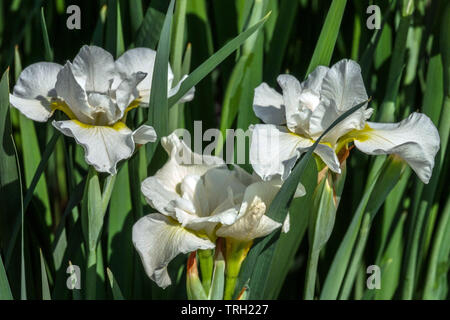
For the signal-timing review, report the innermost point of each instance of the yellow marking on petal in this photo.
(360, 135)
(116, 126)
(310, 140)
(62, 106)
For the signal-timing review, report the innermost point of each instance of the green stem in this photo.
(236, 251)
(91, 275)
(206, 260)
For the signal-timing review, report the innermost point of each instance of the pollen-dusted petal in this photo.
(104, 146)
(414, 139)
(158, 240)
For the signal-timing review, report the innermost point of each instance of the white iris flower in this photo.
(197, 203)
(95, 92)
(295, 119)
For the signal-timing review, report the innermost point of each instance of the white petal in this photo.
(73, 94)
(342, 89)
(144, 134)
(268, 105)
(274, 150)
(343, 84)
(34, 89)
(104, 146)
(296, 119)
(286, 224)
(415, 139)
(32, 108)
(177, 149)
(187, 97)
(299, 192)
(314, 80)
(37, 81)
(328, 156)
(140, 60)
(252, 223)
(94, 68)
(162, 189)
(127, 91)
(158, 240)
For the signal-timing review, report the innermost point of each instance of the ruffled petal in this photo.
(342, 88)
(127, 91)
(94, 68)
(329, 157)
(73, 94)
(268, 105)
(140, 60)
(144, 134)
(158, 240)
(104, 146)
(296, 119)
(162, 189)
(34, 90)
(344, 84)
(415, 140)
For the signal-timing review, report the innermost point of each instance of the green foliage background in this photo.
(386, 216)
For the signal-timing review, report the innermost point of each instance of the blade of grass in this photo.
(5, 290)
(328, 36)
(158, 99)
(29, 195)
(44, 280)
(114, 36)
(10, 195)
(150, 30)
(48, 48)
(116, 292)
(206, 67)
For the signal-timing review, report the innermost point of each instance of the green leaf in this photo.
(136, 14)
(120, 223)
(328, 36)
(114, 37)
(44, 280)
(158, 99)
(5, 290)
(10, 192)
(374, 196)
(48, 48)
(150, 30)
(29, 195)
(278, 45)
(218, 279)
(116, 292)
(97, 36)
(211, 63)
(320, 227)
(288, 243)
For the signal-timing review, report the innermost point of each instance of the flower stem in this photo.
(206, 261)
(236, 251)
